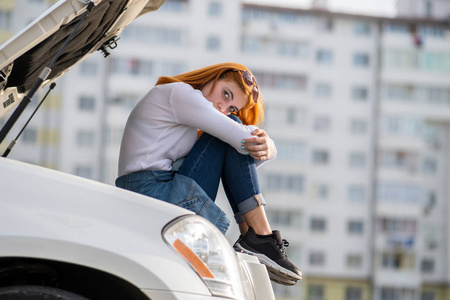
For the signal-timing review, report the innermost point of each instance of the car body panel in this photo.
(47, 214)
(52, 215)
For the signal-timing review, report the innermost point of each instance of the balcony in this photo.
(396, 242)
(396, 268)
(397, 278)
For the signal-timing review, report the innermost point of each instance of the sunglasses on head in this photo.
(250, 81)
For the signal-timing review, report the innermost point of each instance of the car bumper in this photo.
(256, 286)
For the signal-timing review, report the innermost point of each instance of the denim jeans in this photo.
(211, 160)
(176, 189)
(195, 183)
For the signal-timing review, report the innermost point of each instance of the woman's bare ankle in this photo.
(256, 218)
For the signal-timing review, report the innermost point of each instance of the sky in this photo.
(375, 7)
(369, 7)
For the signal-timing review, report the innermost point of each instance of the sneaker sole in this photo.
(281, 280)
(272, 266)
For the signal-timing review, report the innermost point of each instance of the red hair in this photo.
(251, 114)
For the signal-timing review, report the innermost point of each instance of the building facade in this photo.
(358, 106)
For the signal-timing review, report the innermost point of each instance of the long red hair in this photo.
(251, 114)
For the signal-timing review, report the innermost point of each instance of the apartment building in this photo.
(359, 107)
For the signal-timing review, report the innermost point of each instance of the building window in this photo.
(320, 157)
(215, 9)
(398, 261)
(289, 82)
(85, 138)
(325, 24)
(320, 190)
(288, 217)
(323, 90)
(127, 101)
(360, 93)
(83, 171)
(290, 17)
(171, 68)
(360, 60)
(427, 295)
(406, 126)
(399, 58)
(154, 35)
(358, 127)
(429, 165)
(86, 103)
(357, 160)
(356, 193)
(394, 27)
(353, 293)
(324, 57)
(399, 192)
(431, 31)
(5, 19)
(274, 47)
(291, 150)
(250, 45)
(399, 92)
(396, 225)
(317, 259)
(388, 293)
(430, 201)
(322, 123)
(427, 265)
(434, 95)
(354, 261)
(285, 183)
(316, 292)
(398, 160)
(30, 135)
(282, 81)
(435, 61)
(213, 43)
(318, 224)
(291, 48)
(269, 15)
(355, 227)
(132, 66)
(174, 6)
(361, 28)
(290, 116)
(89, 68)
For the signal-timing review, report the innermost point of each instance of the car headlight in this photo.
(208, 252)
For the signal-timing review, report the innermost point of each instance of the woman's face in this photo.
(227, 96)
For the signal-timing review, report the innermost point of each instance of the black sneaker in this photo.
(270, 251)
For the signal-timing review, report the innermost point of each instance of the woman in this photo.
(192, 130)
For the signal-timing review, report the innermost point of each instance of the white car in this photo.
(65, 237)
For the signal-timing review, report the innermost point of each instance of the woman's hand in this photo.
(261, 146)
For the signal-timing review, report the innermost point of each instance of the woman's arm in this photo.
(189, 107)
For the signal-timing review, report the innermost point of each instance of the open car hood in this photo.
(25, 55)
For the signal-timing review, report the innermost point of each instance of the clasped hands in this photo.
(260, 147)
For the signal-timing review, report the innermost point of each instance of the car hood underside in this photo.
(27, 68)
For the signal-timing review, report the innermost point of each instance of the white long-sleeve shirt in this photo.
(162, 128)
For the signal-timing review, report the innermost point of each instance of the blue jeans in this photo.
(211, 160)
(176, 189)
(194, 186)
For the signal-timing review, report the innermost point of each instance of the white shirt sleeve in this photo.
(190, 107)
